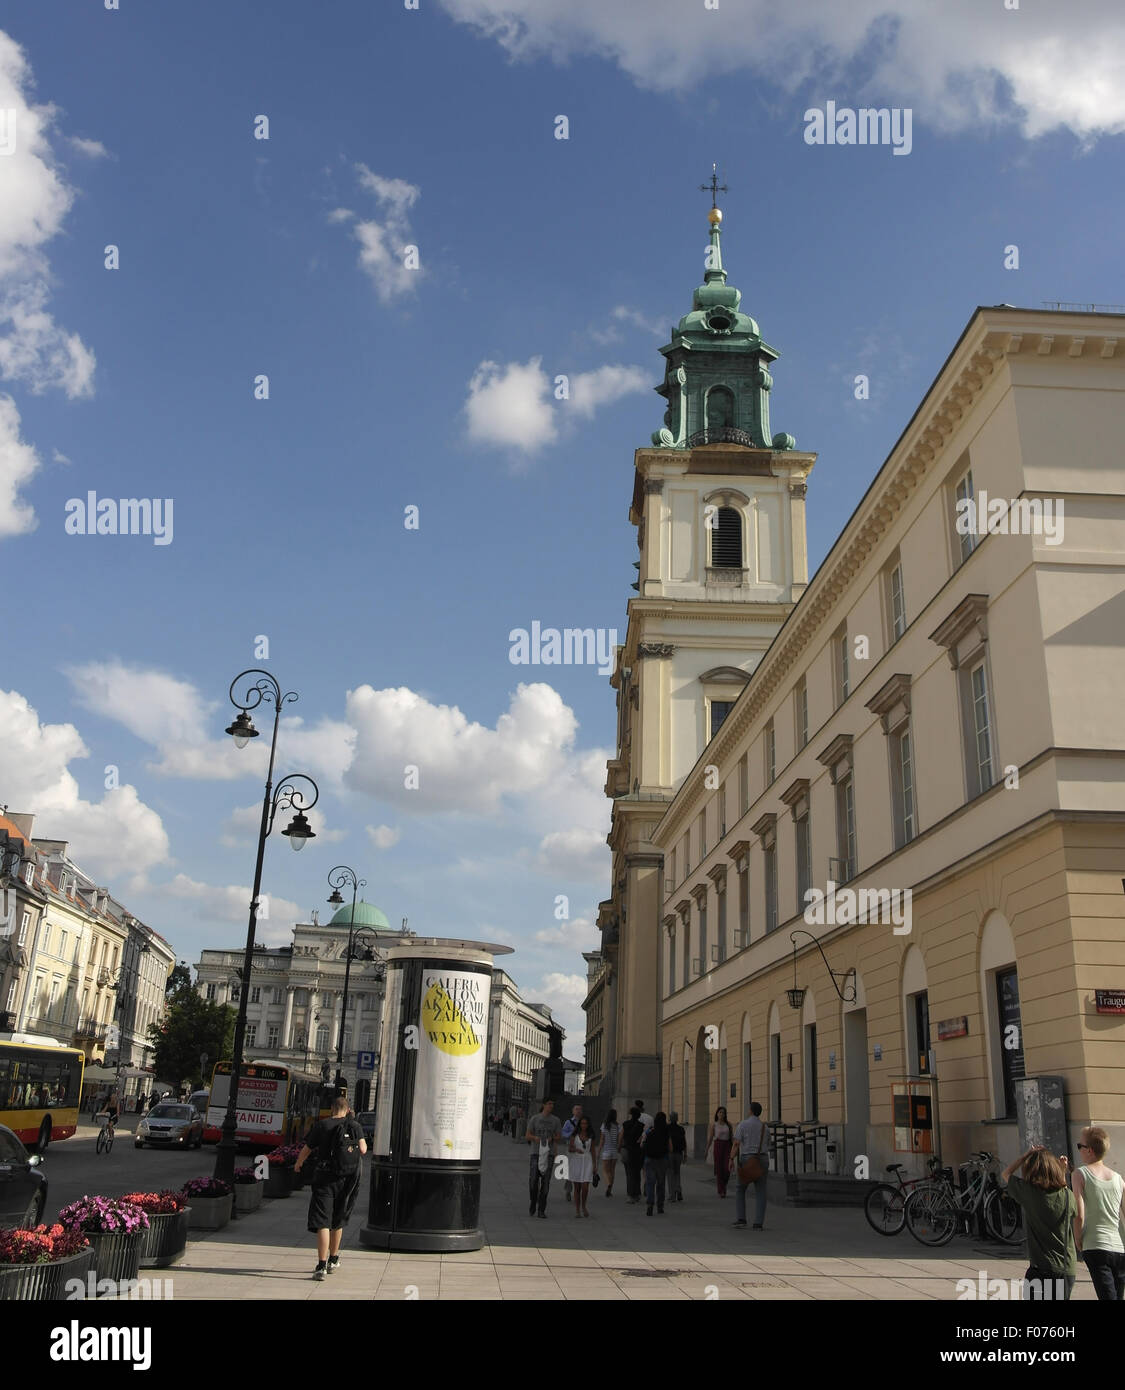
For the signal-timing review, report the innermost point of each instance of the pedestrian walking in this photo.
(1049, 1220)
(336, 1144)
(750, 1155)
(720, 1137)
(632, 1133)
(1100, 1225)
(678, 1135)
(583, 1157)
(543, 1133)
(568, 1130)
(610, 1149)
(646, 1118)
(656, 1148)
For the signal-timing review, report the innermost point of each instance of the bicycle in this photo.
(105, 1134)
(884, 1206)
(935, 1212)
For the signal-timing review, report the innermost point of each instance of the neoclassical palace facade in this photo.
(869, 831)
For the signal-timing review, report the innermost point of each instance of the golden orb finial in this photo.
(714, 217)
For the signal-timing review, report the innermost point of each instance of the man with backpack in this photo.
(337, 1145)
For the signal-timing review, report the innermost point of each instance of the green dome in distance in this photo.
(366, 915)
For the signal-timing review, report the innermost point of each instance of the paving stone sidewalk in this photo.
(691, 1252)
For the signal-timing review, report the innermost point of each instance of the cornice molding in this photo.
(969, 618)
(892, 695)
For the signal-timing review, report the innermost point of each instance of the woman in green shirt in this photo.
(1048, 1217)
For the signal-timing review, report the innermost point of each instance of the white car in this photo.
(170, 1125)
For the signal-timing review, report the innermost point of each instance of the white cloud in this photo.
(92, 149)
(578, 934)
(514, 406)
(589, 391)
(383, 241)
(33, 348)
(18, 462)
(114, 836)
(231, 903)
(383, 836)
(511, 406)
(959, 64)
(577, 853)
(173, 716)
(462, 765)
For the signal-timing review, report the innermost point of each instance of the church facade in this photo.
(868, 831)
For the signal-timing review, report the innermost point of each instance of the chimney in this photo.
(23, 821)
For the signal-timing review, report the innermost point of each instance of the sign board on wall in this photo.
(953, 1028)
(1110, 1001)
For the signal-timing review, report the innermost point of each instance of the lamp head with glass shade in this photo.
(299, 830)
(796, 997)
(335, 900)
(242, 730)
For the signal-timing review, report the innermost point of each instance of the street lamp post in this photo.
(264, 689)
(339, 878)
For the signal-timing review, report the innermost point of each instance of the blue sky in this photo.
(392, 387)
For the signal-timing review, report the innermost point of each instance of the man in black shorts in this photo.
(335, 1181)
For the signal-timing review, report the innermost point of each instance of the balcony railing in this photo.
(90, 1030)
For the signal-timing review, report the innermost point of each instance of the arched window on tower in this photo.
(726, 540)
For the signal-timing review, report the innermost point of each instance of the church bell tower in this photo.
(719, 508)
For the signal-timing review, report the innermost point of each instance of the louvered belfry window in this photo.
(726, 540)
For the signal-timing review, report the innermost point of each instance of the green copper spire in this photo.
(717, 380)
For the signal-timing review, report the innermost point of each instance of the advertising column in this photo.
(425, 1163)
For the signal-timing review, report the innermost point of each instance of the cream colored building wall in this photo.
(1065, 696)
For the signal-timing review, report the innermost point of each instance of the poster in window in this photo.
(450, 1075)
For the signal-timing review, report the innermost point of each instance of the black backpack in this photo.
(344, 1155)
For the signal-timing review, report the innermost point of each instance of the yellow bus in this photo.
(277, 1104)
(40, 1086)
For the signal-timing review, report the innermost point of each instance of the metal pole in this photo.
(347, 979)
(225, 1155)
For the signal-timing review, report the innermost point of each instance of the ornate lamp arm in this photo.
(844, 974)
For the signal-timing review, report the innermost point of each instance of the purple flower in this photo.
(103, 1216)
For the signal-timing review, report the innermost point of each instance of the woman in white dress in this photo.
(583, 1155)
(610, 1149)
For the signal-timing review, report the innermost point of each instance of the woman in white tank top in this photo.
(1099, 1227)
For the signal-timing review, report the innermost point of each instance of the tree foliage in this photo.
(192, 1026)
(178, 980)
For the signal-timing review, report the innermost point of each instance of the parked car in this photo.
(367, 1119)
(171, 1125)
(23, 1188)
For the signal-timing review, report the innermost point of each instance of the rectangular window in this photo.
(845, 677)
(322, 1038)
(77, 944)
(687, 854)
(922, 1032)
(251, 1035)
(746, 1074)
(902, 787)
(255, 994)
(25, 923)
(702, 836)
(845, 829)
(770, 753)
(770, 858)
(672, 961)
(1011, 1032)
(703, 959)
(11, 1004)
(812, 1088)
(326, 1000)
(801, 710)
(685, 928)
(896, 602)
(719, 711)
(273, 1036)
(775, 1077)
(366, 1043)
(62, 944)
(744, 905)
(722, 927)
(300, 998)
(744, 784)
(210, 991)
(54, 995)
(804, 859)
(982, 728)
(963, 515)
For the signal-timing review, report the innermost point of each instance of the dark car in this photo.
(366, 1119)
(171, 1124)
(23, 1188)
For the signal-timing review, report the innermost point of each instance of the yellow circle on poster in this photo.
(446, 1026)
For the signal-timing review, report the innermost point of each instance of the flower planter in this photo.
(39, 1283)
(280, 1181)
(209, 1213)
(247, 1196)
(165, 1240)
(117, 1254)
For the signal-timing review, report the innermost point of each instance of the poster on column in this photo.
(449, 1080)
(388, 1062)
